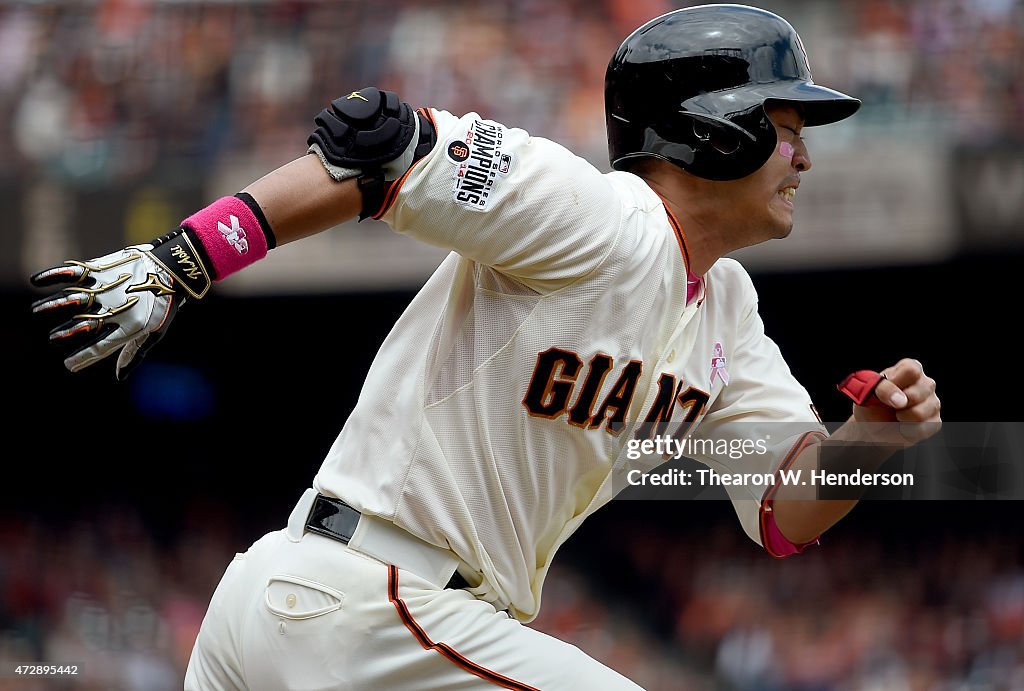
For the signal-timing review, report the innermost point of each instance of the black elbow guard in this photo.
(370, 134)
(365, 129)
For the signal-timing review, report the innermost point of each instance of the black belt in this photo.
(337, 520)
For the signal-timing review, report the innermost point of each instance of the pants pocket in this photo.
(295, 598)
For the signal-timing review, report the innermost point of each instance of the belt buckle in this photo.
(382, 540)
(332, 518)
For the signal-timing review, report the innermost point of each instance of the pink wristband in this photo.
(777, 544)
(231, 235)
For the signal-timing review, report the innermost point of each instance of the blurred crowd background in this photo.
(670, 607)
(110, 549)
(109, 89)
(126, 114)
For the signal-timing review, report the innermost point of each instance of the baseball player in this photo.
(578, 314)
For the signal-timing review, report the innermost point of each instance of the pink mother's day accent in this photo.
(777, 544)
(693, 286)
(230, 234)
(718, 365)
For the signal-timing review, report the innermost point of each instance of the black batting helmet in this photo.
(690, 87)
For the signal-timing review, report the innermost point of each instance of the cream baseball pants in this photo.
(303, 611)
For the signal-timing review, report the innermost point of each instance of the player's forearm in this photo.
(300, 199)
(799, 514)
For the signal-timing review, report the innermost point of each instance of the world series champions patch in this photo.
(480, 163)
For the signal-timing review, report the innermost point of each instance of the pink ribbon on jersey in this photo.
(718, 365)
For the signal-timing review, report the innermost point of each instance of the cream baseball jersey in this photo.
(497, 414)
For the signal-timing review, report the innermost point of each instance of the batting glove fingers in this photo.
(121, 301)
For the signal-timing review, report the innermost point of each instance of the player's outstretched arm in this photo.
(902, 410)
(300, 199)
(124, 302)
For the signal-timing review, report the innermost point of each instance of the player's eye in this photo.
(796, 135)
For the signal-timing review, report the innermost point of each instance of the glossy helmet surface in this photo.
(690, 87)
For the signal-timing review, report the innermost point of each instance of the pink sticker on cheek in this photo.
(786, 149)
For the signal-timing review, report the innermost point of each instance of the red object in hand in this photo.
(860, 387)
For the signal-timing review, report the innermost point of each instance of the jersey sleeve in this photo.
(522, 205)
(758, 424)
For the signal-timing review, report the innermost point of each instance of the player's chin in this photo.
(782, 218)
(782, 228)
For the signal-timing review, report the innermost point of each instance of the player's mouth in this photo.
(787, 194)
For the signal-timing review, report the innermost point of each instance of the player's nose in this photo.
(801, 157)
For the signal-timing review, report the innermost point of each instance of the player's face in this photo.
(771, 191)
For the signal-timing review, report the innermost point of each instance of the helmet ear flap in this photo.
(716, 138)
(719, 134)
(724, 149)
(709, 146)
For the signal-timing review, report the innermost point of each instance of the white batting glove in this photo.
(121, 301)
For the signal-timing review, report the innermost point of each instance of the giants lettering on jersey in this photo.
(479, 162)
(561, 383)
